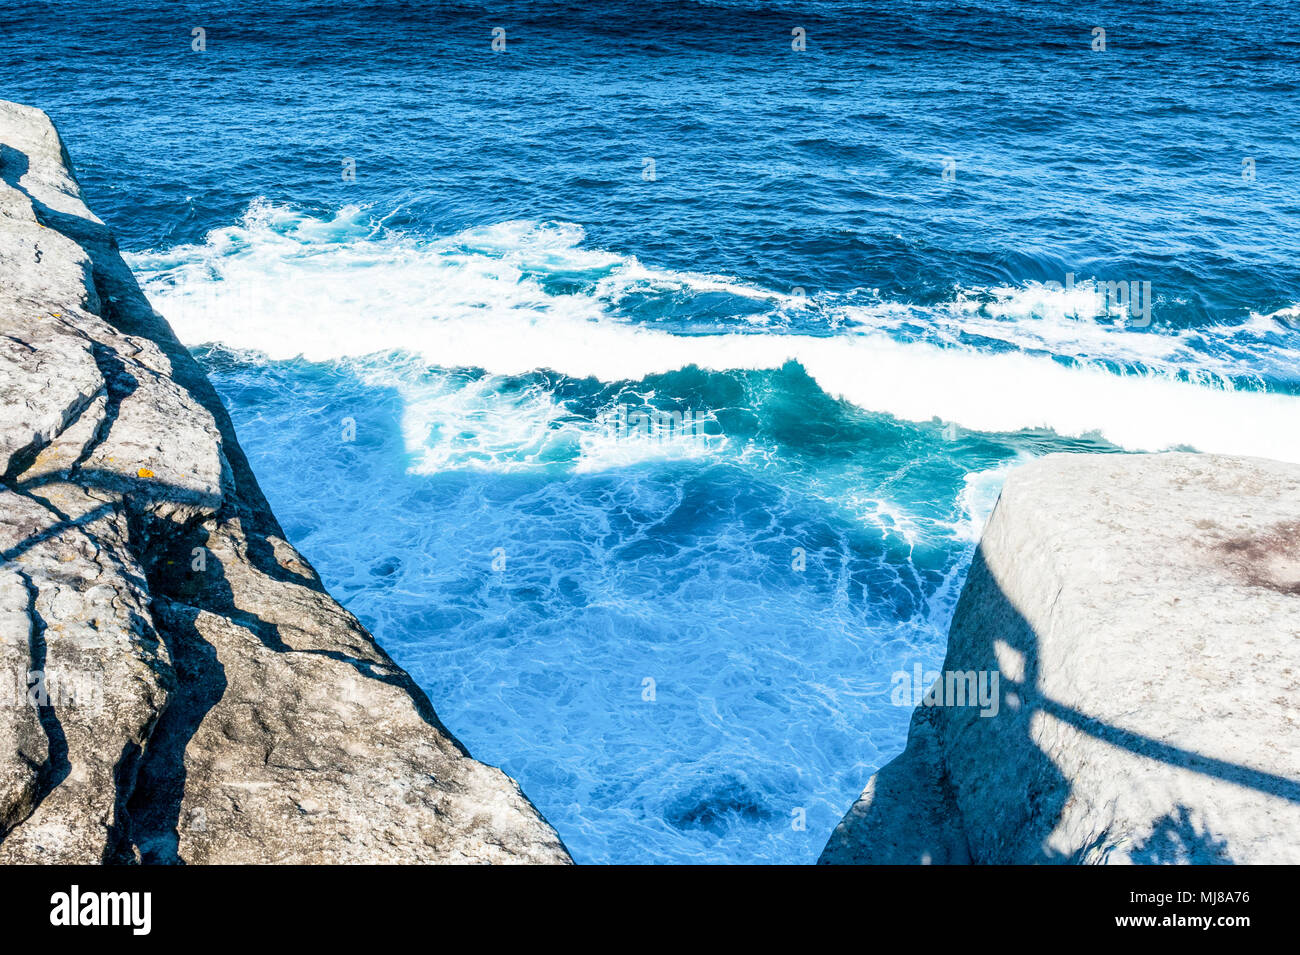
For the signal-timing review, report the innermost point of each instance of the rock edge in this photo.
(1143, 615)
(178, 685)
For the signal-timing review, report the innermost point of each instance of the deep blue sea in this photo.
(643, 385)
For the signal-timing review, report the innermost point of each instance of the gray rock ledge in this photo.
(1143, 615)
(198, 696)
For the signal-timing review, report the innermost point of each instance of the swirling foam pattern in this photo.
(654, 482)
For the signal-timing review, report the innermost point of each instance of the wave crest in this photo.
(519, 296)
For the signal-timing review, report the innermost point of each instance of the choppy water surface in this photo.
(654, 480)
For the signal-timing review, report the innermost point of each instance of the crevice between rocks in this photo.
(56, 766)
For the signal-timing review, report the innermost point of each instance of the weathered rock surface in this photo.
(198, 696)
(1143, 614)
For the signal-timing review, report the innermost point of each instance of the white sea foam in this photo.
(286, 285)
(1078, 320)
(978, 495)
(1283, 322)
(458, 422)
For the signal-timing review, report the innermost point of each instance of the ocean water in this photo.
(646, 389)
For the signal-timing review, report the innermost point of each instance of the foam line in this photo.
(286, 284)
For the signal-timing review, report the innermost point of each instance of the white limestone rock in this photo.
(1143, 613)
(208, 701)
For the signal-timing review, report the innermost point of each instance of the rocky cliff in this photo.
(178, 686)
(1142, 615)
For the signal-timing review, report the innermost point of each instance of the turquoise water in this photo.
(654, 481)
